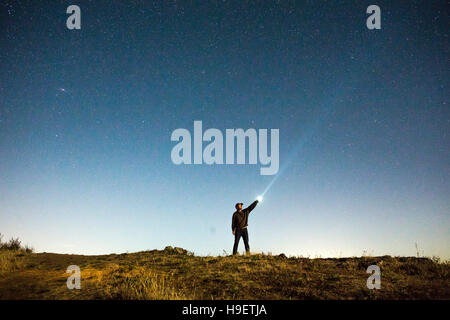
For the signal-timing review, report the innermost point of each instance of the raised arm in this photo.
(252, 206)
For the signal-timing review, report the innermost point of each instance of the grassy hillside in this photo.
(175, 273)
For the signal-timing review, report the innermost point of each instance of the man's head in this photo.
(238, 206)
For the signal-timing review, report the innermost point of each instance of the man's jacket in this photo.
(240, 219)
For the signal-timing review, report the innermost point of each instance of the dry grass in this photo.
(178, 274)
(10, 260)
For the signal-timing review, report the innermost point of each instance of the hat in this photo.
(236, 205)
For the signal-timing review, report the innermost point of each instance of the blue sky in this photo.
(86, 118)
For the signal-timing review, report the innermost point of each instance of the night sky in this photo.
(86, 118)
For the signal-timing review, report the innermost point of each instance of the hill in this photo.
(175, 273)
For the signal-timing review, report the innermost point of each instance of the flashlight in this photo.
(259, 198)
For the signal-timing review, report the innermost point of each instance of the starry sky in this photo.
(86, 118)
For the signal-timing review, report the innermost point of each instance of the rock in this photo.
(176, 250)
(180, 250)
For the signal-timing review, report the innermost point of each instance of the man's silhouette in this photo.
(239, 225)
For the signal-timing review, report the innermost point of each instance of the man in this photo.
(239, 225)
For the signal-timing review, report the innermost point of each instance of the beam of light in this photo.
(329, 105)
(298, 147)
